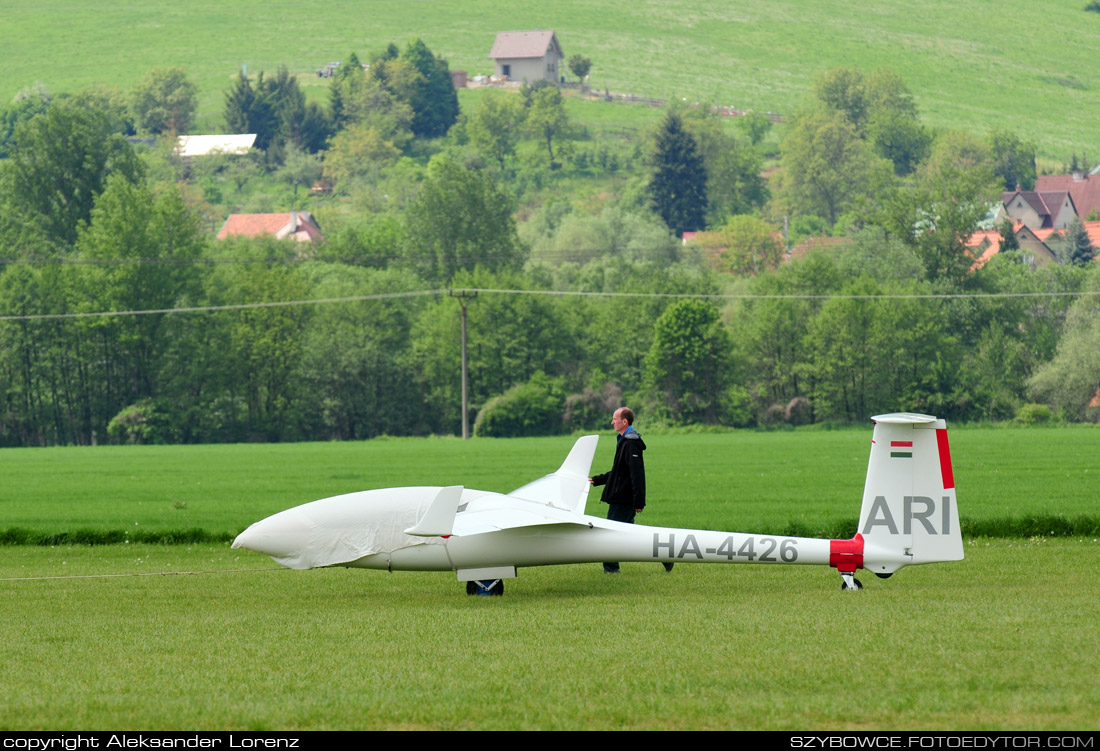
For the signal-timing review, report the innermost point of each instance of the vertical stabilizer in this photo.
(568, 487)
(909, 512)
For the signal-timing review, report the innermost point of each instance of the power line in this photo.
(210, 308)
(545, 292)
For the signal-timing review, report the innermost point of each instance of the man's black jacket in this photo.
(625, 483)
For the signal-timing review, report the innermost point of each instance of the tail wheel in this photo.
(856, 584)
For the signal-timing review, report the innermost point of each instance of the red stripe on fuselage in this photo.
(901, 443)
(846, 555)
(945, 459)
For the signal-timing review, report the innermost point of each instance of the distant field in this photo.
(972, 65)
(744, 481)
(1004, 640)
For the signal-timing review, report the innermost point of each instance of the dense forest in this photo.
(569, 233)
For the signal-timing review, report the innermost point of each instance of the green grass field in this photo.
(1028, 67)
(199, 636)
(741, 481)
(1006, 639)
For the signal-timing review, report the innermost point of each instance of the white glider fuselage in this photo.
(909, 515)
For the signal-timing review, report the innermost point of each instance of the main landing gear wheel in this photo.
(850, 582)
(485, 587)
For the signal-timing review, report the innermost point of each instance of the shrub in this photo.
(1034, 414)
(526, 409)
(138, 423)
(591, 409)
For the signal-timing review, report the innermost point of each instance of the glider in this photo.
(909, 516)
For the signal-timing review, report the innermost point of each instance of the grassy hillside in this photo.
(973, 65)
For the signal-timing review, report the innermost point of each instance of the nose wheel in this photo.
(485, 587)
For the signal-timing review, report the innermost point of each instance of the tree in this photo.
(357, 357)
(30, 101)
(546, 118)
(460, 220)
(751, 245)
(435, 102)
(299, 168)
(129, 222)
(1079, 249)
(247, 110)
(165, 101)
(939, 213)
(511, 338)
(60, 163)
(950, 195)
(734, 185)
(755, 125)
(494, 128)
(881, 110)
(358, 152)
(277, 112)
(687, 369)
(827, 168)
(843, 90)
(1008, 236)
(1070, 381)
(579, 65)
(1014, 160)
(678, 186)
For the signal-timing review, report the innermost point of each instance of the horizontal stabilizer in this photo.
(568, 487)
(439, 519)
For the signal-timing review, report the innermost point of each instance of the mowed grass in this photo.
(1006, 639)
(968, 67)
(804, 482)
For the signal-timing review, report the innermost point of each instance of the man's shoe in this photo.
(668, 566)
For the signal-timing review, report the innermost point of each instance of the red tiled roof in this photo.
(512, 44)
(993, 237)
(814, 244)
(1085, 192)
(1092, 228)
(980, 238)
(276, 225)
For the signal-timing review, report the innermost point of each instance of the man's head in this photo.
(622, 419)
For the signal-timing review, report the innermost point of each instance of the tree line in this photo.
(892, 317)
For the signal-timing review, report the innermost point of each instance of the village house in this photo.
(527, 56)
(1083, 189)
(1040, 246)
(295, 225)
(1037, 209)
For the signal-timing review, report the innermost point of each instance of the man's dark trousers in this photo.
(617, 512)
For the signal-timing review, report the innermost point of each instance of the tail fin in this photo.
(909, 512)
(568, 487)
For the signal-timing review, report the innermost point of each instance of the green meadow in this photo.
(1004, 640)
(198, 636)
(971, 65)
(800, 482)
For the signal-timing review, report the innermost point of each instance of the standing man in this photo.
(624, 485)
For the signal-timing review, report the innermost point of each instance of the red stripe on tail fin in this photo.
(945, 459)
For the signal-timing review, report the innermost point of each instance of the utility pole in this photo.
(464, 296)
